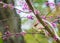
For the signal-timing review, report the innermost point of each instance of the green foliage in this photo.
(23, 21)
(40, 1)
(1, 41)
(35, 38)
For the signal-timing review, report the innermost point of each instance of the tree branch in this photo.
(41, 21)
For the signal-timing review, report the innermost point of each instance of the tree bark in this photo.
(12, 19)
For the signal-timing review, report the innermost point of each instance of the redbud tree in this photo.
(11, 21)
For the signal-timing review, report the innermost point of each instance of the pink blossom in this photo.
(21, 2)
(51, 4)
(5, 5)
(55, 37)
(30, 10)
(36, 12)
(44, 17)
(4, 37)
(47, 3)
(30, 17)
(25, 6)
(11, 6)
(8, 33)
(1, 2)
(53, 24)
(17, 35)
(19, 11)
(23, 33)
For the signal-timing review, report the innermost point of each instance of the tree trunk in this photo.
(12, 20)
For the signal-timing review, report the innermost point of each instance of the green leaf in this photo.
(1, 40)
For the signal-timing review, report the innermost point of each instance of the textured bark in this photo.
(9, 17)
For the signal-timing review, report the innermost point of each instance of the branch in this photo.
(41, 21)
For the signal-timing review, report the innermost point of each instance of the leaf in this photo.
(1, 40)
